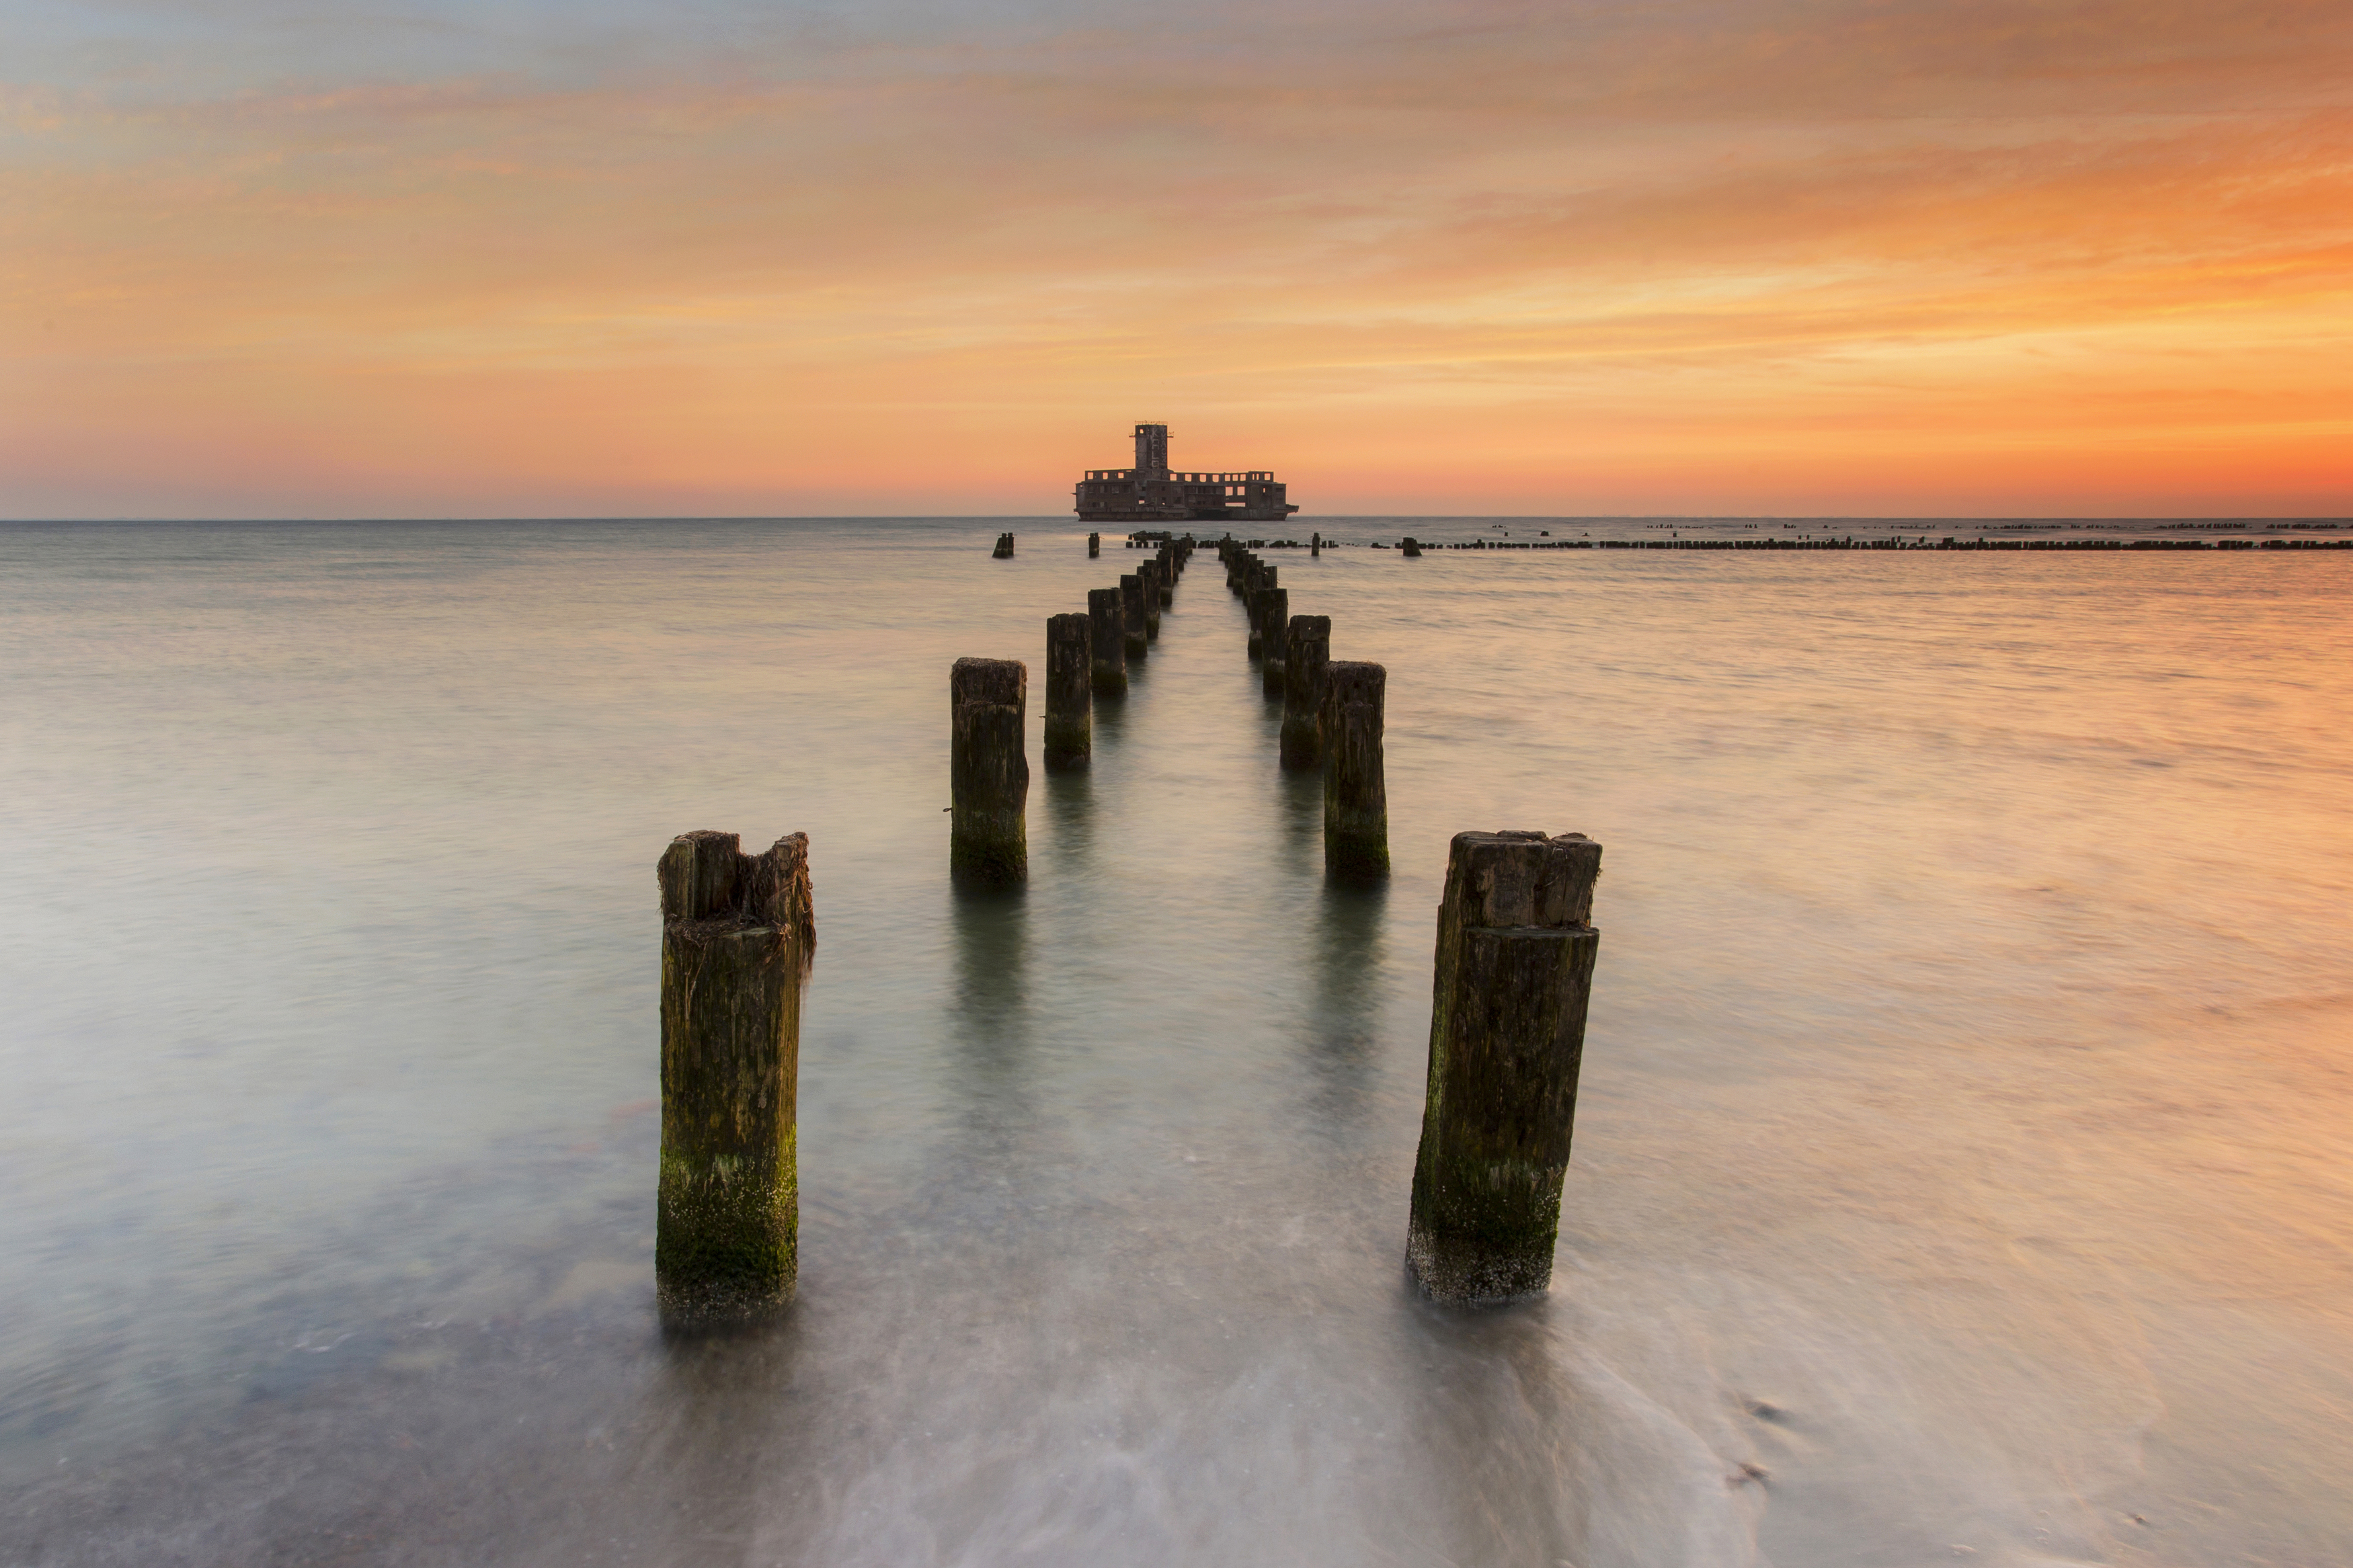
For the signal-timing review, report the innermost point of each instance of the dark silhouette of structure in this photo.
(1149, 492)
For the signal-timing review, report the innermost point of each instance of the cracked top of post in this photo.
(1515, 878)
(709, 886)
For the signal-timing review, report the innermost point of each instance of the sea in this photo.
(1963, 1170)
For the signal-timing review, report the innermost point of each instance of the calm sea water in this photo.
(1964, 1170)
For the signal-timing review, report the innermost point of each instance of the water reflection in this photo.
(1341, 1029)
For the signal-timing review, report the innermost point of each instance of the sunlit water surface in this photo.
(1964, 1170)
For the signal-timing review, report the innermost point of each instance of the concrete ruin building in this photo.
(1150, 492)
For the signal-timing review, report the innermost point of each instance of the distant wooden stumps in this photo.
(1138, 635)
(1094, 545)
(1514, 970)
(738, 934)
(1410, 549)
(1307, 650)
(1004, 550)
(1149, 576)
(1356, 794)
(1274, 620)
(1107, 619)
(1069, 703)
(989, 770)
(1261, 583)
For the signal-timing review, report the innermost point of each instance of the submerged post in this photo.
(1107, 617)
(1149, 574)
(1356, 794)
(988, 771)
(1276, 617)
(1307, 650)
(738, 934)
(1094, 545)
(1514, 970)
(1069, 707)
(1137, 636)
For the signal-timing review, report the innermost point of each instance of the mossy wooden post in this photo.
(1275, 617)
(1138, 637)
(1167, 578)
(738, 934)
(1307, 650)
(1149, 574)
(1515, 970)
(988, 842)
(1094, 545)
(1107, 618)
(1069, 705)
(1356, 794)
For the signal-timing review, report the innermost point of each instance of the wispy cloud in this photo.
(1793, 256)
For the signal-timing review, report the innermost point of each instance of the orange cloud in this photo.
(1801, 258)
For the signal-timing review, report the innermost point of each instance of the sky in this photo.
(1913, 258)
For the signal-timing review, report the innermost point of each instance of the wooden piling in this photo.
(1275, 619)
(1356, 794)
(1307, 650)
(988, 771)
(738, 935)
(1107, 621)
(1138, 635)
(1069, 705)
(1263, 583)
(1094, 545)
(1004, 550)
(1514, 973)
(1149, 574)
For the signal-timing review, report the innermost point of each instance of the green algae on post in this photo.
(1512, 977)
(988, 766)
(1069, 706)
(739, 933)
(1355, 790)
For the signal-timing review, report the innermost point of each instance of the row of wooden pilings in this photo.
(1332, 714)
(1511, 976)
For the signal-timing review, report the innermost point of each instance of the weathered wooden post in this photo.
(1262, 582)
(1138, 635)
(1276, 615)
(988, 771)
(1356, 794)
(1307, 650)
(1149, 574)
(1107, 618)
(1069, 706)
(1094, 545)
(738, 934)
(1004, 550)
(1515, 970)
(1168, 577)
(1315, 543)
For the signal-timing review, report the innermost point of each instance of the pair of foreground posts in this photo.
(1515, 972)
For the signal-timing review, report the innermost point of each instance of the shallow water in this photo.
(1964, 1144)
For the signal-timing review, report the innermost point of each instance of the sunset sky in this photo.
(279, 257)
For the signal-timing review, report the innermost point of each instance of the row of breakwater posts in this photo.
(1411, 547)
(1511, 975)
